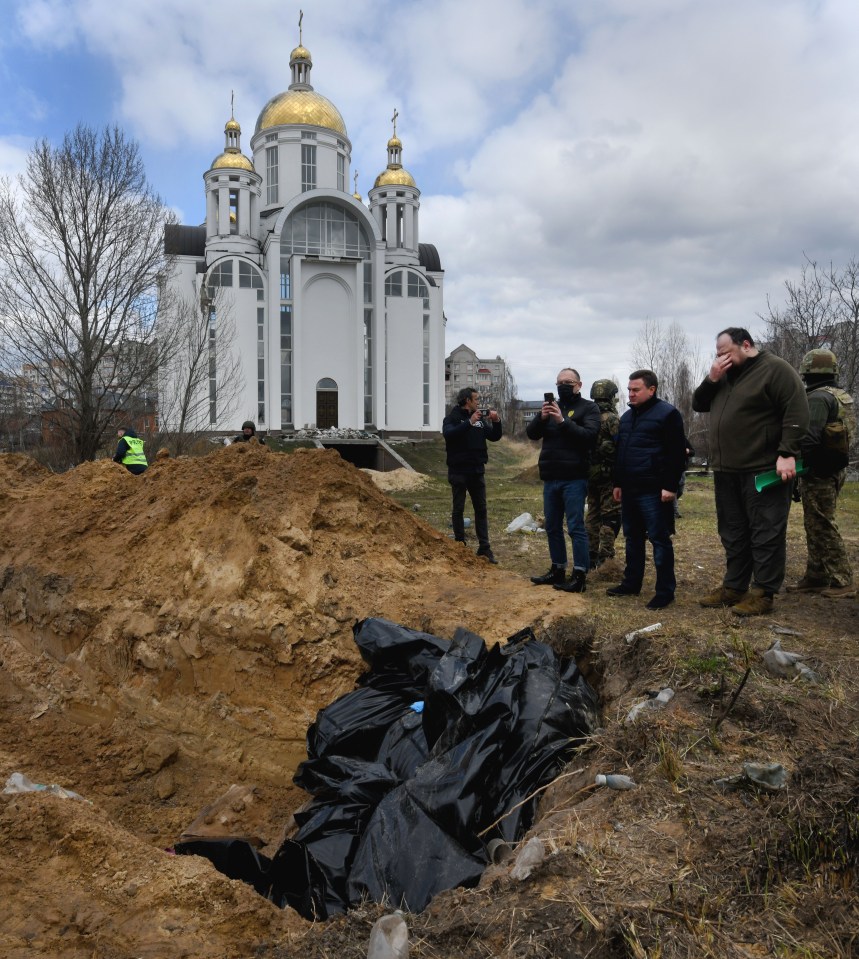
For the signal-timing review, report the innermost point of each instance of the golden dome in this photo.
(300, 53)
(233, 124)
(358, 197)
(398, 177)
(395, 142)
(306, 107)
(230, 160)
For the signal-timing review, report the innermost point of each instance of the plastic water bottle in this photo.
(389, 938)
(615, 781)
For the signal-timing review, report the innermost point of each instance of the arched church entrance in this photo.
(326, 404)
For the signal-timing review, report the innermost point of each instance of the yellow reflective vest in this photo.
(134, 455)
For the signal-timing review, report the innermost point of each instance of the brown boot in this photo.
(723, 596)
(756, 603)
(847, 591)
(808, 585)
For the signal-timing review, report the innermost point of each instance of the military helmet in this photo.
(603, 390)
(819, 362)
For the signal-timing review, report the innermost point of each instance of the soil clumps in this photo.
(170, 635)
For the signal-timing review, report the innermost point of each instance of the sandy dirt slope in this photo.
(169, 635)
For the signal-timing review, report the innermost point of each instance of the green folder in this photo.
(765, 480)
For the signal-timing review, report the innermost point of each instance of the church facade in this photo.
(335, 306)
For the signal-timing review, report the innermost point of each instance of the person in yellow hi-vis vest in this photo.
(129, 450)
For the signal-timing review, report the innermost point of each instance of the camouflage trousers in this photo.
(827, 557)
(602, 519)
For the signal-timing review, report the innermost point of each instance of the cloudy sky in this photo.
(584, 165)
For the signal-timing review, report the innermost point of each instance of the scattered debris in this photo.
(524, 523)
(389, 938)
(633, 636)
(655, 702)
(333, 433)
(784, 630)
(19, 783)
(530, 856)
(615, 781)
(787, 665)
(769, 776)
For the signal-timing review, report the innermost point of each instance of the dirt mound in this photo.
(17, 471)
(170, 634)
(400, 479)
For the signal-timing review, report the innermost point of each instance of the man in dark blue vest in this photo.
(651, 454)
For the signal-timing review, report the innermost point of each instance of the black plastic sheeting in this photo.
(401, 795)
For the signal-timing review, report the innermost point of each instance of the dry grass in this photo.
(681, 866)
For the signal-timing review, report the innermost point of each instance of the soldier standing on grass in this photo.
(602, 518)
(827, 569)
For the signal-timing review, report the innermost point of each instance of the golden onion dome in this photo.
(395, 177)
(358, 197)
(306, 107)
(233, 124)
(232, 160)
(394, 142)
(300, 53)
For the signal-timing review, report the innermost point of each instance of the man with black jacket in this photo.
(466, 429)
(568, 428)
(651, 454)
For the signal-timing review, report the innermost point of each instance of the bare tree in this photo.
(822, 310)
(202, 370)
(82, 270)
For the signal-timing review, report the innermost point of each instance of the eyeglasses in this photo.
(568, 383)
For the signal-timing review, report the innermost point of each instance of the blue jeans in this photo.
(566, 497)
(644, 517)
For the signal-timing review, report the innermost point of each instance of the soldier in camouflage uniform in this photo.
(602, 518)
(827, 570)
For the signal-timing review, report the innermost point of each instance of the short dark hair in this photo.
(738, 335)
(649, 377)
(464, 395)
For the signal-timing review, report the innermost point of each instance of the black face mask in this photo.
(566, 394)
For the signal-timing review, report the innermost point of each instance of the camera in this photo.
(484, 413)
(548, 397)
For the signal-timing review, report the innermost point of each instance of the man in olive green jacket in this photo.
(758, 416)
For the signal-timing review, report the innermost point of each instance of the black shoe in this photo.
(576, 584)
(555, 575)
(660, 602)
(488, 555)
(622, 590)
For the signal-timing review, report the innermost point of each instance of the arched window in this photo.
(324, 229)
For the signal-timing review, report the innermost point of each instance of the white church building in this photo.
(336, 306)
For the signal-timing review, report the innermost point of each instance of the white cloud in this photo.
(584, 165)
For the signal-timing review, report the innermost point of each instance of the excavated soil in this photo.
(169, 636)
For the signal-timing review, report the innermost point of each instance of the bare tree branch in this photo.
(82, 270)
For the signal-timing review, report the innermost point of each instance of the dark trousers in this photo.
(475, 485)
(644, 517)
(752, 527)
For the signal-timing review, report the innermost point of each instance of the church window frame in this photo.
(272, 163)
(308, 167)
(323, 228)
(249, 276)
